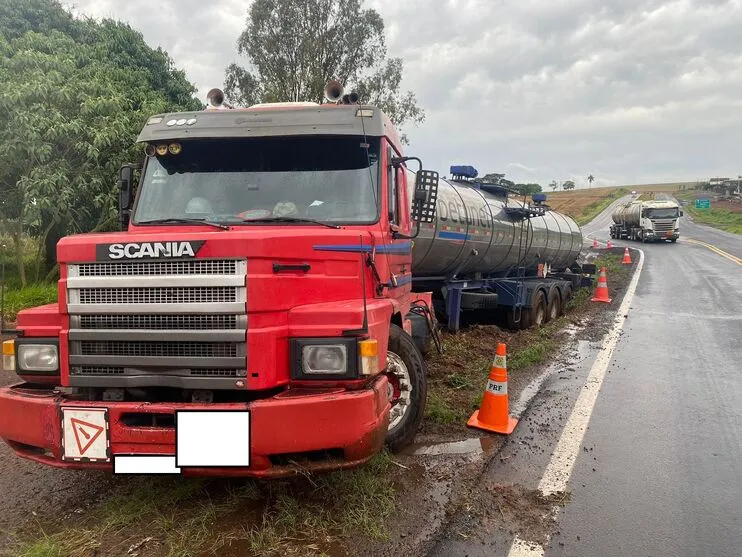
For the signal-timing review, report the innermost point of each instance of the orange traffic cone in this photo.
(626, 257)
(493, 414)
(609, 245)
(601, 290)
(595, 243)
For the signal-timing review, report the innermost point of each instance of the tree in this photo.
(491, 178)
(568, 185)
(294, 47)
(591, 179)
(73, 100)
(553, 185)
(528, 189)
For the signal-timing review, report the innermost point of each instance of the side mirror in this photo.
(426, 196)
(681, 213)
(126, 194)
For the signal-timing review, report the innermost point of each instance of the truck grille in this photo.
(157, 268)
(157, 323)
(663, 225)
(186, 295)
(186, 322)
(97, 371)
(159, 349)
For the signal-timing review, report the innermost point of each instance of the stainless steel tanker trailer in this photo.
(647, 221)
(488, 250)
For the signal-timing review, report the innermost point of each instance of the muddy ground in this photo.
(398, 503)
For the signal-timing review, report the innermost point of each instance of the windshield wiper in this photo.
(184, 220)
(289, 220)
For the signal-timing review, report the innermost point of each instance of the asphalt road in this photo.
(659, 469)
(663, 475)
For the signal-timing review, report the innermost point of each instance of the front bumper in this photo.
(651, 235)
(296, 425)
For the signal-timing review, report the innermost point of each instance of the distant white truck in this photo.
(647, 221)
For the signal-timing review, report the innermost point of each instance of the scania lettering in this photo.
(151, 250)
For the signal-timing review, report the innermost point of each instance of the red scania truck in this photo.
(265, 267)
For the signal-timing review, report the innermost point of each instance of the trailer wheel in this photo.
(566, 297)
(408, 390)
(537, 312)
(554, 305)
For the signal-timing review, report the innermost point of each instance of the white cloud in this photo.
(629, 91)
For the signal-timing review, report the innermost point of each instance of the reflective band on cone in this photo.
(493, 414)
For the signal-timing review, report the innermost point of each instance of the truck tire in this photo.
(554, 304)
(406, 371)
(535, 315)
(566, 297)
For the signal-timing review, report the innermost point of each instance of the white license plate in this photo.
(85, 434)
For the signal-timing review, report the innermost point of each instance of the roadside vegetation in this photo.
(723, 214)
(38, 290)
(177, 517)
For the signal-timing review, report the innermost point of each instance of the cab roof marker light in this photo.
(364, 113)
(154, 120)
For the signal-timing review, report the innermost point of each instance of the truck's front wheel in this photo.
(405, 369)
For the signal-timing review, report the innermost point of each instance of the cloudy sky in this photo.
(630, 91)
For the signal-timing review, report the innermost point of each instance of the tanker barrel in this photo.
(472, 233)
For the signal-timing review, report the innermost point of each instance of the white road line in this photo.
(559, 470)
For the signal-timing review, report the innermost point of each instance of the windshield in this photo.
(327, 179)
(668, 213)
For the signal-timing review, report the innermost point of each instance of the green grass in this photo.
(723, 219)
(440, 411)
(196, 517)
(33, 295)
(597, 207)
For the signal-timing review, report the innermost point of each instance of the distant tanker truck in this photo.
(647, 221)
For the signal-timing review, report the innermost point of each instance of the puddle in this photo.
(475, 446)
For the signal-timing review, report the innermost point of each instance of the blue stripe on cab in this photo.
(395, 249)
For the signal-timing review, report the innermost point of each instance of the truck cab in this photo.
(660, 220)
(263, 266)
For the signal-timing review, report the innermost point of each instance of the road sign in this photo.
(703, 203)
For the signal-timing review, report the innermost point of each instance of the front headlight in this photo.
(324, 358)
(327, 359)
(37, 357)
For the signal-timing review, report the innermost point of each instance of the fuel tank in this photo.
(473, 234)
